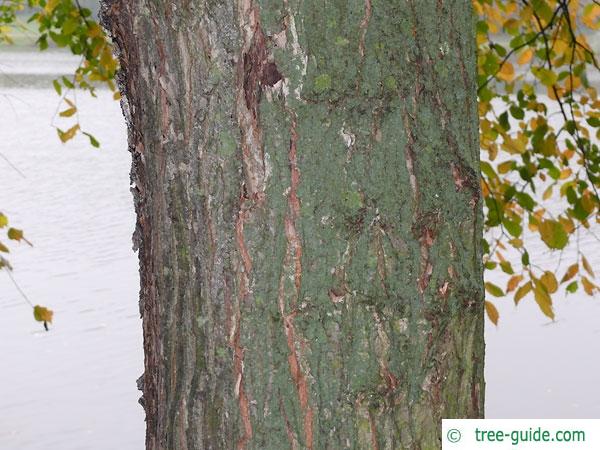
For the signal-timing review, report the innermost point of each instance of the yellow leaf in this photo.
(588, 286)
(507, 72)
(568, 223)
(505, 166)
(522, 292)
(560, 46)
(516, 243)
(548, 146)
(572, 83)
(543, 300)
(94, 30)
(549, 282)
(565, 173)
(570, 273)
(64, 136)
(513, 145)
(587, 203)
(499, 255)
(591, 13)
(42, 314)
(513, 282)
(68, 112)
(587, 267)
(526, 13)
(492, 312)
(526, 56)
(568, 153)
(50, 5)
(548, 192)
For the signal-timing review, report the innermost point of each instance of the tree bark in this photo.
(305, 177)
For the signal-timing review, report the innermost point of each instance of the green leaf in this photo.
(503, 121)
(514, 228)
(60, 39)
(488, 170)
(500, 50)
(517, 112)
(546, 76)
(525, 201)
(485, 245)
(572, 287)
(506, 267)
(593, 122)
(57, 87)
(67, 82)
(43, 42)
(93, 141)
(494, 290)
(70, 25)
(553, 234)
(490, 265)
(542, 9)
(525, 259)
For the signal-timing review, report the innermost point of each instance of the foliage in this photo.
(539, 126)
(64, 23)
(12, 233)
(40, 313)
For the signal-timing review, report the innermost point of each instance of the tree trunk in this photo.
(305, 176)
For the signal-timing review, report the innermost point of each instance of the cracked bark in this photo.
(304, 177)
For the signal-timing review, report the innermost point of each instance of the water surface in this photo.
(73, 387)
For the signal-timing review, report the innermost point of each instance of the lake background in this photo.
(74, 387)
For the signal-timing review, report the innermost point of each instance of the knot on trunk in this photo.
(259, 70)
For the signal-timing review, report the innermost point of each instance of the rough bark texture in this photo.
(305, 175)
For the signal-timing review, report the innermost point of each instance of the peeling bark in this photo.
(304, 178)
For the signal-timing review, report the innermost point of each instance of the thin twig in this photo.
(19, 288)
